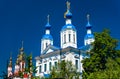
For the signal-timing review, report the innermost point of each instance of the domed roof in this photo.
(48, 26)
(88, 26)
(89, 36)
(47, 36)
(68, 26)
(68, 14)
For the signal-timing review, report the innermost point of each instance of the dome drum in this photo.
(68, 26)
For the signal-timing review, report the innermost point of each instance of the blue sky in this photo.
(25, 20)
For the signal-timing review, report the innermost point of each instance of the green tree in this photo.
(104, 53)
(30, 68)
(65, 70)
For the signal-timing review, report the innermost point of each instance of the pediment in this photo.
(50, 48)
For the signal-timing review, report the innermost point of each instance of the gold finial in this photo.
(68, 5)
(22, 49)
(68, 8)
(88, 17)
(48, 18)
(17, 61)
(10, 61)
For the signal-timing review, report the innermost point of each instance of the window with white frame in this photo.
(69, 37)
(55, 64)
(45, 67)
(50, 66)
(64, 38)
(76, 64)
(40, 69)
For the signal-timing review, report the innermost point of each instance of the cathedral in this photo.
(50, 55)
(68, 50)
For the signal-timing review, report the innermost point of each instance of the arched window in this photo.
(46, 44)
(64, 38)
(55, 64)
(40, 69)
(45, 67)
(50, 66)
(76, 64)
(69, 37)
(73, 38)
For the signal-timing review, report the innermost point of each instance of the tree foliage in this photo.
(30, 68)
(104, 61)
(64, 70)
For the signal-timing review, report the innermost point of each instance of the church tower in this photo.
(22, 59)
(10, 74)
(89, 37)
(68, 31)
(47, 39)
(17, 67)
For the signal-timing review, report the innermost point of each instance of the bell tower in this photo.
(89, 37)
(68, 32)
(47, 39)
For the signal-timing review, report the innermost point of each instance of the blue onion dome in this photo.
(88, 26)
(68, 26)
(68, 14)
(89, 36)
(47, 36)
(47, 26)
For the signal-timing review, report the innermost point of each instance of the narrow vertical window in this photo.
(55, 64)
(74, 38)
(40, 69)
(64, 38)
(87, 42)
(46, 45)
(45, 67)
(50, 65)
(69, 37)
(76, 64)
(42, 45)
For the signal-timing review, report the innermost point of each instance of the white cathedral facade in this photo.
(68, 50)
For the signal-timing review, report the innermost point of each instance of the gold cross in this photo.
(48, 18)
(88, 17)
(68, 5)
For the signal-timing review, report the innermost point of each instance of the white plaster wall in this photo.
(69, 57)
(50, 50)
(81, 58)
(71, 43)
(47, 63)
(37, 65)
(43, 44)
(89, 41)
